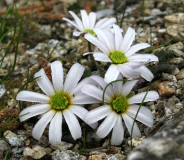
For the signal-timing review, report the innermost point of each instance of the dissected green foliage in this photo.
(163, 64)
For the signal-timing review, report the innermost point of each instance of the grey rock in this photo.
(2, 90)
(17, 152)
(68, 155)
(172, 104)
(178, 53)
(62, 146)
(12, 139)
(36, 152)
(111, 157)
(48, 150)
(166, 144)
(4, 146)
(168, 77)
(181, 32)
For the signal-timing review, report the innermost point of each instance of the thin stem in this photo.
(109, 143)
(16, 51)
(143, 13)
(136, 117)
(148, 50)
(108, 85)
(89, 47)
(121, 23)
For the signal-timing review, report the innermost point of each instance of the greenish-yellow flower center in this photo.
(118, 57)
(59, 101)
(119, 104)
(91, 32)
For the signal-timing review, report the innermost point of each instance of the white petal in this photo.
(111, 74)
(74, 75)
(118, 36)
(57, 75)
(133, 49)
(134, 64)
(75, 33)
(81, 112)
(100, 22)
(151, 96)
(32, 97)
(145, 73)
(129, 122)
(117, 86)
(109, 90)
(143, 58)
(111, 38)
(87, 80)
(88, 53)
(44, 83)
(117, 132)
(145, 116)
(102, 37)
(128, 71)
(127, 87)
(92, 19)
(128, 39)
(41, 124)
(34, 110)
(72, 23)
(55, 129)
(107, 125)
(95, 92)
(107, 23)
(85, 19)
(77, 20)
(99, 56)
(97, 114)
(73, 124)
(94, 40)
(84, 99)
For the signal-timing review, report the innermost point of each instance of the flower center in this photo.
(59, 101)
(91, 32)
(120, 104)
(118, 57)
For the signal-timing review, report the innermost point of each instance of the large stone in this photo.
(175, 31)
(166, 144)
(4, 145)
(36, 152)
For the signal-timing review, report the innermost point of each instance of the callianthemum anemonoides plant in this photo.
(117, 50)
(89, 22)
(118, 105)
(60, 100)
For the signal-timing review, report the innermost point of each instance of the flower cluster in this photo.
(64, 100)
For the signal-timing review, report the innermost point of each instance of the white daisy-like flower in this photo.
(118, 105)
(89, 22)
(60, 100)
(117, 50)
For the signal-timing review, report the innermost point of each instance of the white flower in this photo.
(118, 105)
(117, 50)
(88, 22)
(61, 100)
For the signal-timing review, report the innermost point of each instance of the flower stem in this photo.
(148, 50)
(108, 85)
(143, 13)
(136, 117)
